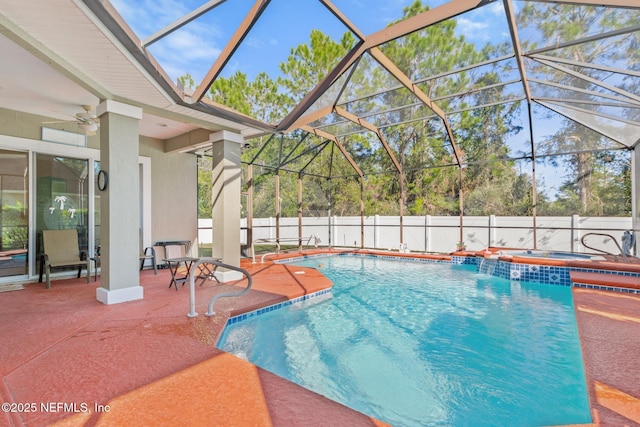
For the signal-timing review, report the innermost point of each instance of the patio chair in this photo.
(61, 250)
(147, 253)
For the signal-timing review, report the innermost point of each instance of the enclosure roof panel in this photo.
(338, 68)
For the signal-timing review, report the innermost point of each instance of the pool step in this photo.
(601, 279)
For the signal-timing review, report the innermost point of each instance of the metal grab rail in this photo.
(263, 241)
(192, 286)
(265, 255)
(624, 255)
(276, 242)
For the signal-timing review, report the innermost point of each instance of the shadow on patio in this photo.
(76, 361)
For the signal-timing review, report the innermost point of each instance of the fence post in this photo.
(575, 231)
(427, 233)
(271, 227)
(376, 231)
(492, 230)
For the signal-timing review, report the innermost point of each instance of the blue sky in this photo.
(284, 25)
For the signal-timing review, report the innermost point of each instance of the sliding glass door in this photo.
(45, 191)
(14, 213)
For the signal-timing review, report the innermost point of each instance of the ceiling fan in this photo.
(86, 120)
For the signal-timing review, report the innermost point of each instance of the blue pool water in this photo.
(422, 344)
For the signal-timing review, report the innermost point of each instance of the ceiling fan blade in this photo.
(58, 121)
(86, 120)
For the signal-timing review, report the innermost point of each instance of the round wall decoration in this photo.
(103, 180)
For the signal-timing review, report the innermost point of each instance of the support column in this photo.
(250, 248)
(635, 189)
(278, 206)
(119, 203)
(534, 201)
(329, 212)
(461, 201)
(225, 201)
(300, 213)
(361, 212)
(400, 175)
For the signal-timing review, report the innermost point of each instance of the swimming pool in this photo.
(425, 344)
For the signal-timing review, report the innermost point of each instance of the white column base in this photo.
(228, 276)
(117, 296)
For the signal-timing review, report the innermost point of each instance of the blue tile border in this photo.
(244, 316)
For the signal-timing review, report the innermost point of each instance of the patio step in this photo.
(601, 279)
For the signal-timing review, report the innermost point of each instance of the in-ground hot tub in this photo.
(550, 255)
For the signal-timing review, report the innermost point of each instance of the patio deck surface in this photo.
(80, 362)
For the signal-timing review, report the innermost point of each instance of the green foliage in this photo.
(588, 189)
(610, 188)
(14, 227)
(259, 98)
(309, 63)
(204, 187)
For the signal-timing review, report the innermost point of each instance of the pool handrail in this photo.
(263, 241)
(276, 242)
(624, 255)
(265, 255)
(192, 286)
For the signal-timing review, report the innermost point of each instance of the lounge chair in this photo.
(61, 250)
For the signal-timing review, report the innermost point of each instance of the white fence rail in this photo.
(441, 233)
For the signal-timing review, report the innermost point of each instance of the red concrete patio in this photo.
(145, 361)
(67, 359)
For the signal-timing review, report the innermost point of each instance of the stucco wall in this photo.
(174, 181)
(173, 176)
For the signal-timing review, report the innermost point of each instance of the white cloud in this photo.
(496, 8)
(472, 30)
(150, 16)
(188, 45)
(254, 42)
(145, 18)
(191, 49)
(185, 52)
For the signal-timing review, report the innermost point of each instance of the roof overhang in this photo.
(88, 54)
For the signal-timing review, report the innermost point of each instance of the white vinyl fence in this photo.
(441, 233)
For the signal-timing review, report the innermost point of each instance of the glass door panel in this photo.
(14, 213)
(62, 194)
